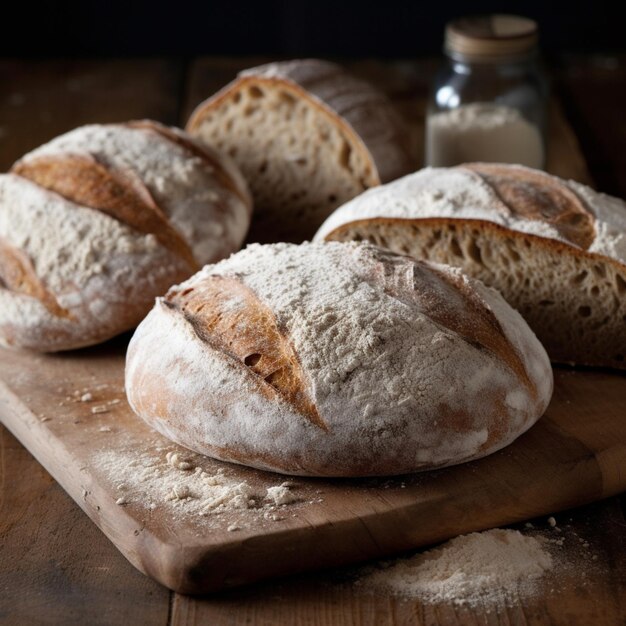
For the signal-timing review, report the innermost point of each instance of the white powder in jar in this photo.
(482, 132)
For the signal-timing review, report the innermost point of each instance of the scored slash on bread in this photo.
(533, 195)
(448, 299)
(84, 181)
(332, 359)
(230, 318)
(18, 275)
(555, 249)
(307, 136)
(98, 222)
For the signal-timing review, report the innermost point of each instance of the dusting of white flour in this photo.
(478, 567)
(168, 479)
(380, 367)
(489, 569)
(211, 218)
(85, 258)
(460, 193)
(435, 192)
(482, 132)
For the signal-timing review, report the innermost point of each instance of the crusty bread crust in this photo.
(441, 371)
(230, 318)
(96, 314)
(226, 171)
(81, 179)
(374, 143)
(18, 275)
(573, 291)
(363, 113)
(534, 195)
(110, 246)
(555, 249)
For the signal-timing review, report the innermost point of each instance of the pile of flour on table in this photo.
(491, 567)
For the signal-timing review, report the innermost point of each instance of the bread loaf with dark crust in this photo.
(555, 249)
(98, 222)
(336, 359)
(308, 136)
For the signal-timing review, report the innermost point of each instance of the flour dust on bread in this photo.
(336, 359)
(308, 137)
(98, 222)
(555, 249)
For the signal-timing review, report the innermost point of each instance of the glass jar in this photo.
(489, 101)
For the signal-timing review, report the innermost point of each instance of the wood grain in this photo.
(42, 99)
(583, 592)
(54, 566)
(574, 455)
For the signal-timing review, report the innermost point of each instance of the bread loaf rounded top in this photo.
(200, 194)
(512, 196)
(364, 108)
(336, 359)
(99, 221)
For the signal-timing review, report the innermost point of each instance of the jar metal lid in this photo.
(491, 37)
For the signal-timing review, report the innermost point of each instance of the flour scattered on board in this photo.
(174, 481)
(282, 494)
(175, 460)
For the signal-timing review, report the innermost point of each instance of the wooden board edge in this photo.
(202, 568)
(25, 426)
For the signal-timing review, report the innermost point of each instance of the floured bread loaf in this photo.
(335, 359)
(308, 137)
(98, 222)
(555, 249)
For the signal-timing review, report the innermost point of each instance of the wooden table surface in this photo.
(56, 567)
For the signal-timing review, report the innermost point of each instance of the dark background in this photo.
(387, 28)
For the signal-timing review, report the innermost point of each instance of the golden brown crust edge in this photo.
(500, 233)
(82, 180)
(182, 412)
(534, 195)
(346, 128)
(247, 333)
(552, 244)
(18, 275)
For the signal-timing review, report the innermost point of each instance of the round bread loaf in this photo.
(98, 222)
(336, 359)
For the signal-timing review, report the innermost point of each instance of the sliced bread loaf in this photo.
(307, 136)
(556, 249)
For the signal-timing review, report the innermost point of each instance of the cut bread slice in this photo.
(308, 137)
(556, 250)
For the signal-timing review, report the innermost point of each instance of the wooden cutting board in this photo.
(574, 455)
